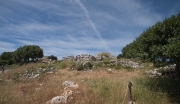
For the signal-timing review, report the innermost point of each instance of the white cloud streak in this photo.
(92, 24)
(72, 27)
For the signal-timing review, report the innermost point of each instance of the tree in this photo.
(52, 57)
(159, 43)
(6, 58)
(27, 52)
(119, 56)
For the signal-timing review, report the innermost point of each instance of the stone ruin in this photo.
(130, 63)
(83, 57)
(68, 58)
(89, 57)
(98, 59)
(166, 71)
(101, 56)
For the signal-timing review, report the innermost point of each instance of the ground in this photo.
(99, 86)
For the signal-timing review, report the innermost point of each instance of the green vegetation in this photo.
(6, 58)
(21, 55)
(52, 57)
(165, 89)
(159, 44)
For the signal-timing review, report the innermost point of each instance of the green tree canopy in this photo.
(27, 52)
(6, 58)
(159, 43)
(52, 57)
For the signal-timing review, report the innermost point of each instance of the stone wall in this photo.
(69, 58)
(85, 57)
(82, 57)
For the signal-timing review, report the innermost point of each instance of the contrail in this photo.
(91, 23)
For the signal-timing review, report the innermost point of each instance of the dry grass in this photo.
(96, 87)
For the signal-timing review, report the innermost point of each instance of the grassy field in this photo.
(96, 87)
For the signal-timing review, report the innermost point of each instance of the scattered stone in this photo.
(70, 84)
(66, 96)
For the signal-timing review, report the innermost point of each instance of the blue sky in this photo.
(73, 27)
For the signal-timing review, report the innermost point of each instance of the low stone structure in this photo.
(89, 57)
(102, 55)
(129, 63)
(85, 57)
(167, 71)
(103, 58)
(69, 58)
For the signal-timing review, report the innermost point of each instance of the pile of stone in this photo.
(81, 66)
(67, 95)
(130, 63)
(34, 73)
(167, 71)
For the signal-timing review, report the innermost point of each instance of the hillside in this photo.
(101, 85)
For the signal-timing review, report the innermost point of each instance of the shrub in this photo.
(79, 67)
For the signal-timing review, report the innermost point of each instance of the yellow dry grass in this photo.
(96, 87)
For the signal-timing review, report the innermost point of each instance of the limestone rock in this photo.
(57, 100)
(70, 84)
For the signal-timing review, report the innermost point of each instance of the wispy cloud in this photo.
(7, 46)
(72, 27)
(92, 23)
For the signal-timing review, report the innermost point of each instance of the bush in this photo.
(64, 64)
(117, 67)
(3, 62)
(79, 67)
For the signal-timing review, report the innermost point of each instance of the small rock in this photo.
(43, 70)
(131, 102)
(149, 72)
(154, 73)
(156, 69)
(64, 98)
(70, 84)
(36, 75)
(50, 72)
(57, 100)
(159, 74)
